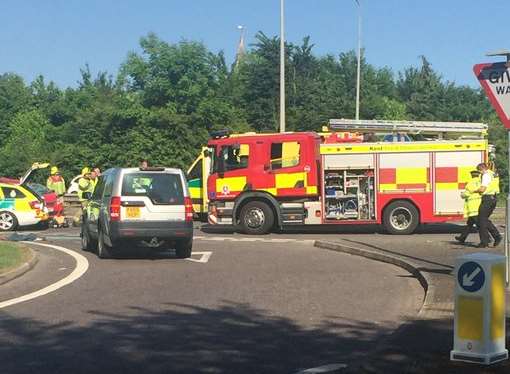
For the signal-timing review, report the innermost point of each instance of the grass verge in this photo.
(11, 256)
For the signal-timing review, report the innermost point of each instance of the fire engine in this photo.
(398, 174)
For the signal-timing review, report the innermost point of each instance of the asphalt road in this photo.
(272, 304)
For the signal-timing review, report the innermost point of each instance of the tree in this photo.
(14, 97)
(26, 143)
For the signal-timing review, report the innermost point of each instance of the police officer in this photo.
(472, 201)
(489, 188)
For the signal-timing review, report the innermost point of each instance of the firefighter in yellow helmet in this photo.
(86, 186)
(57, 184)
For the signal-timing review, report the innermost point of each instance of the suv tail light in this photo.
(115, 208)
(188, 209)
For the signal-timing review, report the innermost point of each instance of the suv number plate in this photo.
(133, 212)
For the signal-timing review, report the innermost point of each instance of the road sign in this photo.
(495, 80)
(480, 300)
(471, 277)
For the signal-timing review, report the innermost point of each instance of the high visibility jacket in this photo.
(94, 182)
(85, 185)
(493, 187)
(472, 199)
(57, 184)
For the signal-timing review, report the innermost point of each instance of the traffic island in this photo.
(421, 344)
(15, 260)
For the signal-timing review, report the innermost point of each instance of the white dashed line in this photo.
(82, 265)
(204, 257)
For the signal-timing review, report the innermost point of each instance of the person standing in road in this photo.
(489, 189)
(85, 185)
(472, 201)
(57, 184)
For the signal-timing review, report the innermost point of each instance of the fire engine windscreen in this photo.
(349, 194)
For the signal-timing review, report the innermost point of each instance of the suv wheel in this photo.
(103, 249)
(183, 248)
(8, 221)
(256, 218)
(86, 241)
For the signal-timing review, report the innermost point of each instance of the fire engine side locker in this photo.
(345, 163)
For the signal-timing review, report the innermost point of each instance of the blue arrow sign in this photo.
(471, 276)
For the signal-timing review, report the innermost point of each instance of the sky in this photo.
(56, 38)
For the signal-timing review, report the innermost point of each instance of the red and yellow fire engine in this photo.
(398, 174)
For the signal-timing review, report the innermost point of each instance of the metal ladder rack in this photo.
(411, 127)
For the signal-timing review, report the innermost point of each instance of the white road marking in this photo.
(324, 369)
(205, 256)
(82, 265)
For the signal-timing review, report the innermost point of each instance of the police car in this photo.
(19, 207)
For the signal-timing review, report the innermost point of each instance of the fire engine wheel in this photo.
(256, 218)
(8, 221)
(401, 218)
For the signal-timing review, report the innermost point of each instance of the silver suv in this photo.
(149, 206)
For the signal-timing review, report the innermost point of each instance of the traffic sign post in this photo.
(479, 325)
(495, 80)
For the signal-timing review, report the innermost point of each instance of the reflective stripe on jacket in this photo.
(57, 184)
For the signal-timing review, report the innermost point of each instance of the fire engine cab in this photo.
(398, 174)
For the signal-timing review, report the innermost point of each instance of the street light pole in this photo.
(282, 67)
(358, 80)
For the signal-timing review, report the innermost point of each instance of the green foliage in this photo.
(167, 98)
(26, 143)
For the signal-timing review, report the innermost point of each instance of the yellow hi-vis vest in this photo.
(85, 185)
(472, 199)
(493, 187)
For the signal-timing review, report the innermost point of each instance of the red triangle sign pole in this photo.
(495, 80)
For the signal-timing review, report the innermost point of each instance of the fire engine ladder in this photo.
(412, 127)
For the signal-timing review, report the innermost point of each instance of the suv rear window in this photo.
(161, 188)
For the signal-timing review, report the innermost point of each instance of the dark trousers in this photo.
(484, 223)
(470, 224)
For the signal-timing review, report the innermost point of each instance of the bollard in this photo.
(479, 325)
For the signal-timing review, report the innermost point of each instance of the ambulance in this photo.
(398, 174)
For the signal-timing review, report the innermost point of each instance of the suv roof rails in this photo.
(152, 168)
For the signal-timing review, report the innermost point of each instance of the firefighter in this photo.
(472, 201)
(57, 184)
(489, 189)
(85, 185)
